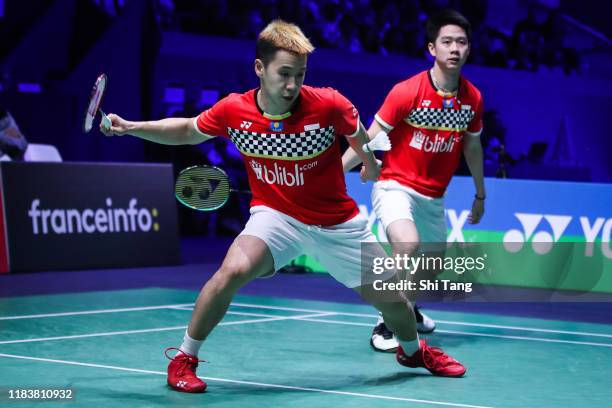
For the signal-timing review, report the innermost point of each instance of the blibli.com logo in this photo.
(280, 175)
(110, 219)
(423, 142)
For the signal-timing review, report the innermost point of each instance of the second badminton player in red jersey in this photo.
(431, 118)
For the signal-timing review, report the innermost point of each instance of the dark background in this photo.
(544, 68)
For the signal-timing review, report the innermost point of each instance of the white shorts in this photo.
(338, 248)
(393, 201)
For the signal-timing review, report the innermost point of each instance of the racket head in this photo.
(95, 101)
(202, 187)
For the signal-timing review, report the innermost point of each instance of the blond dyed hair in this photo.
(280, 35)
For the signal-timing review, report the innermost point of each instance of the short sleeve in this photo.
(396, 107)
(346, 116)
(475, 126)
(212, 122)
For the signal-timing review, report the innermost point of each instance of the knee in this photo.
(233, 274)
(406, 248)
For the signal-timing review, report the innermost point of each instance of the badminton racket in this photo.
(204, 188)
(95, 101)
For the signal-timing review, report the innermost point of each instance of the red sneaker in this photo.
(433, 359)
(181, 372)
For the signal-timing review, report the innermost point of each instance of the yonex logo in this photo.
(426, 103)
(599, 229)
(181, 384)
(595, 232)
(456, 223)
(245, 124)
(541, 241)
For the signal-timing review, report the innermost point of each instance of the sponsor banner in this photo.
(535, 210)
(528, 218)
(88, 215)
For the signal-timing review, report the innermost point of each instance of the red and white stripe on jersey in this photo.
(426, 130)
(293, 161)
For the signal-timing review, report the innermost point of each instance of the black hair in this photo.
(265, 51)
(443, 18)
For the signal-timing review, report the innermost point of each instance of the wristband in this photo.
(479, 198)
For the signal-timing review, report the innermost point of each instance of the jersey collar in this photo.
(441, 92)
(285, 115)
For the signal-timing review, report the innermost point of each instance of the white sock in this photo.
(190, 346)
(410, 346)
(380, 319)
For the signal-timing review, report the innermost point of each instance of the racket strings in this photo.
(95, 100)
(203, 188)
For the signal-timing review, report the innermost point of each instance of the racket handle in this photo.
(241, 191)
(106, 122)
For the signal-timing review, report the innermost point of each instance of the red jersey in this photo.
(426, 132)
(293, 160)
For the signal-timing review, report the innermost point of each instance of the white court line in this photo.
(293, 309)
(81, 336)
(184, 305)
(160, 329)
(99, 311)
(239, 313)
(307, 318)
(499, 336)
(286, 387)
(522, 328)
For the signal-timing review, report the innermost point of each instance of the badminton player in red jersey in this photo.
(287, 134)
(430, 118)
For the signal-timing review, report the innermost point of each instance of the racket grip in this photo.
(106, 122)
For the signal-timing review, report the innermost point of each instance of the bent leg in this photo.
(247, 258)
(413, 352)
(404, 237)
(395, 309)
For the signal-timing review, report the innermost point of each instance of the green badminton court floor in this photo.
(271, 352)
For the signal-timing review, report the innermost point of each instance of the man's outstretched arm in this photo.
(170, 131)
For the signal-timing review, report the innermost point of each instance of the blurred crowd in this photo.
(383, 27)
